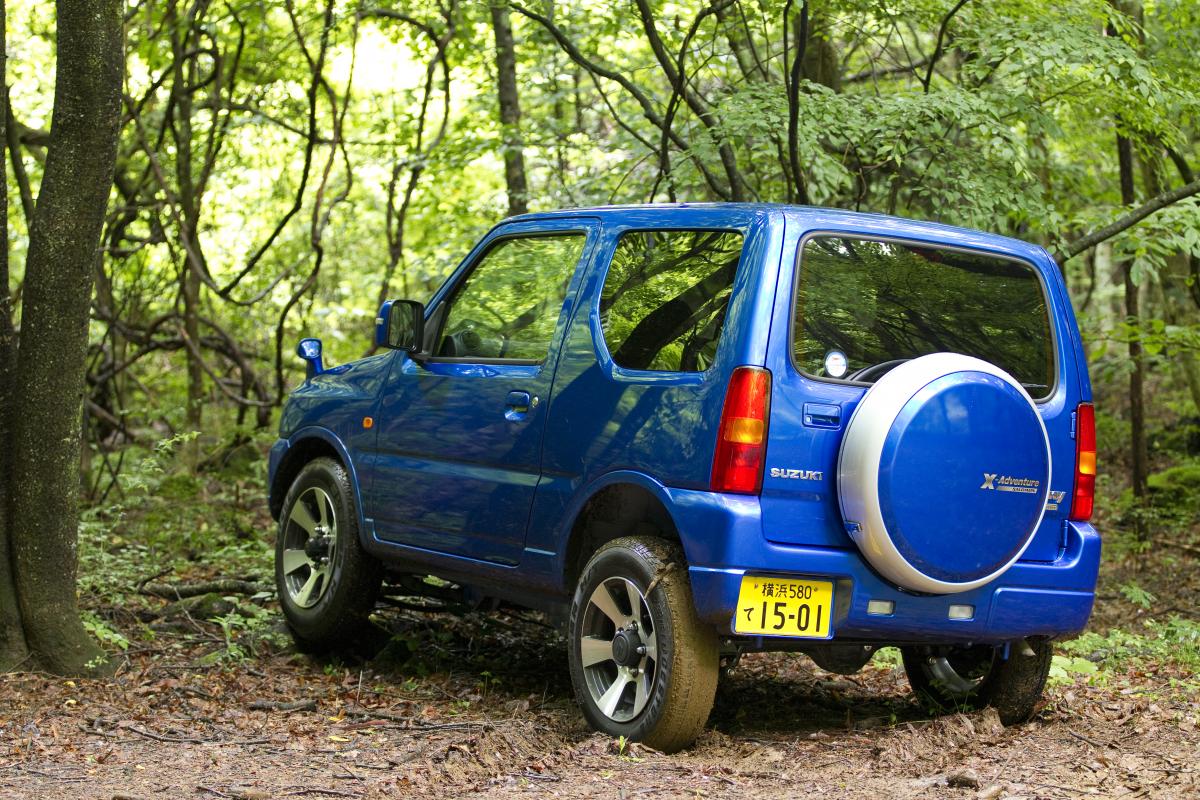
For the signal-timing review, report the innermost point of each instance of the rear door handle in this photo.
(820, 415)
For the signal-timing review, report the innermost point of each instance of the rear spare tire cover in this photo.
(943, 473)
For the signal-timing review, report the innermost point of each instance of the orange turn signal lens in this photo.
(744, 430)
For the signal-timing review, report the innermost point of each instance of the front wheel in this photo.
(951, 678)
(643, 664)
(327, 585)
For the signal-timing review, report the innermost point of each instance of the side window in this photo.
(510, 303)
(666, 295)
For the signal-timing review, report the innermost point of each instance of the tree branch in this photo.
(794, 76)
(886, 72)
(18, 164)
(648, 109)
(939, 50)
(697, 104)
(1156, 203)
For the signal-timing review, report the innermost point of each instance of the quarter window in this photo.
(665, 297)
(509, 305)
(864, 306)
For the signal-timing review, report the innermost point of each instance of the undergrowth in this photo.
(165, 521)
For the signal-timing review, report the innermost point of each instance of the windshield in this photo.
(864, 306)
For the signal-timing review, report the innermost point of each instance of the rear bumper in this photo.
(723, 540)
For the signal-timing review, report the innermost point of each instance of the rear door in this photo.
(861, 303)
(460, 432)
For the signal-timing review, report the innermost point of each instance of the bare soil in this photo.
(481, 705)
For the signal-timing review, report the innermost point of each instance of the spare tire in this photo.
(943, 473)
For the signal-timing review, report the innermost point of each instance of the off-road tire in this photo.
(1012, 686)
(339, 618)
(685, 681)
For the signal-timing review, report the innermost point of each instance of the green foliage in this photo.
(165, 518)
(1064, 669)
(1173, 643)
(105, 634)
(1137, 595)
(887, 657)
(303, 200)
(245, 630)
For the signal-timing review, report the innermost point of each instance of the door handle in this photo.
(518, 405)
(820, 415)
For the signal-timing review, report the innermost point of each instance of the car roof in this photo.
(816, 218)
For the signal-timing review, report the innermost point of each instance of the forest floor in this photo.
(481, 705)
(211, 701)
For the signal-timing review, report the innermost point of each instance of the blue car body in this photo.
(480, 471)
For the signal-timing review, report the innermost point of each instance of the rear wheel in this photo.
(951, 678)
(327, 585)
(643, 664)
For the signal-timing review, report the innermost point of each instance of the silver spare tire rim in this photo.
(309, 547)
(618, 648)
(859, 469)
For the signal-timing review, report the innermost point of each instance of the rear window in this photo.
(665, 297)
(863, 306)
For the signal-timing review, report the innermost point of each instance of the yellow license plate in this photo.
(784, 607)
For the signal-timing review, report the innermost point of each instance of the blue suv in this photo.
(692, 431)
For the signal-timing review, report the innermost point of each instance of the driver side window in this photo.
(509, 305)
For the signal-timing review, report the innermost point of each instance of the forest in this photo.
(192, 186)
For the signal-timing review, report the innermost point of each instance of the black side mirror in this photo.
(401, 325)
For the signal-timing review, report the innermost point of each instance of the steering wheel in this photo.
(462, 343)
(873, 372)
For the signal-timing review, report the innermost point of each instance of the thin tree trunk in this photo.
(1185, 359)
(63, 239)
(195, 370)
(1137, 378)
(12, 638)
(189, 200)
(510, 111)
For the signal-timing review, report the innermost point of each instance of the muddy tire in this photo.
(953, 679)
(327, 585)
(643, 664)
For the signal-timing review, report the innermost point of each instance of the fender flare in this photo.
(589, 490)
(330, 438)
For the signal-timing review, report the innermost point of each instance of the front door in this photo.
(460, 430)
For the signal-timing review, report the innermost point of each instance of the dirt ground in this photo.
(481, 705)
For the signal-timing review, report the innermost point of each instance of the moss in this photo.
(1177, 484)
(180, 486)
(205, 606)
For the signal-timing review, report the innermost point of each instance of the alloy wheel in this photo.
(619, 649)
(310, 547)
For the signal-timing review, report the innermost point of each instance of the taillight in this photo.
(742, 436)
(1085, 462)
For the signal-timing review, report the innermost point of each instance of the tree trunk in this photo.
(1175, 275)
(821, 61)
(195, 371)
(510, 111)
(1137, 378)
(12, 638)
(189, 201)
(63, 241)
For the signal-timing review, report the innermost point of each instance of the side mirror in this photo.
(401, 325)
(310, 351)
